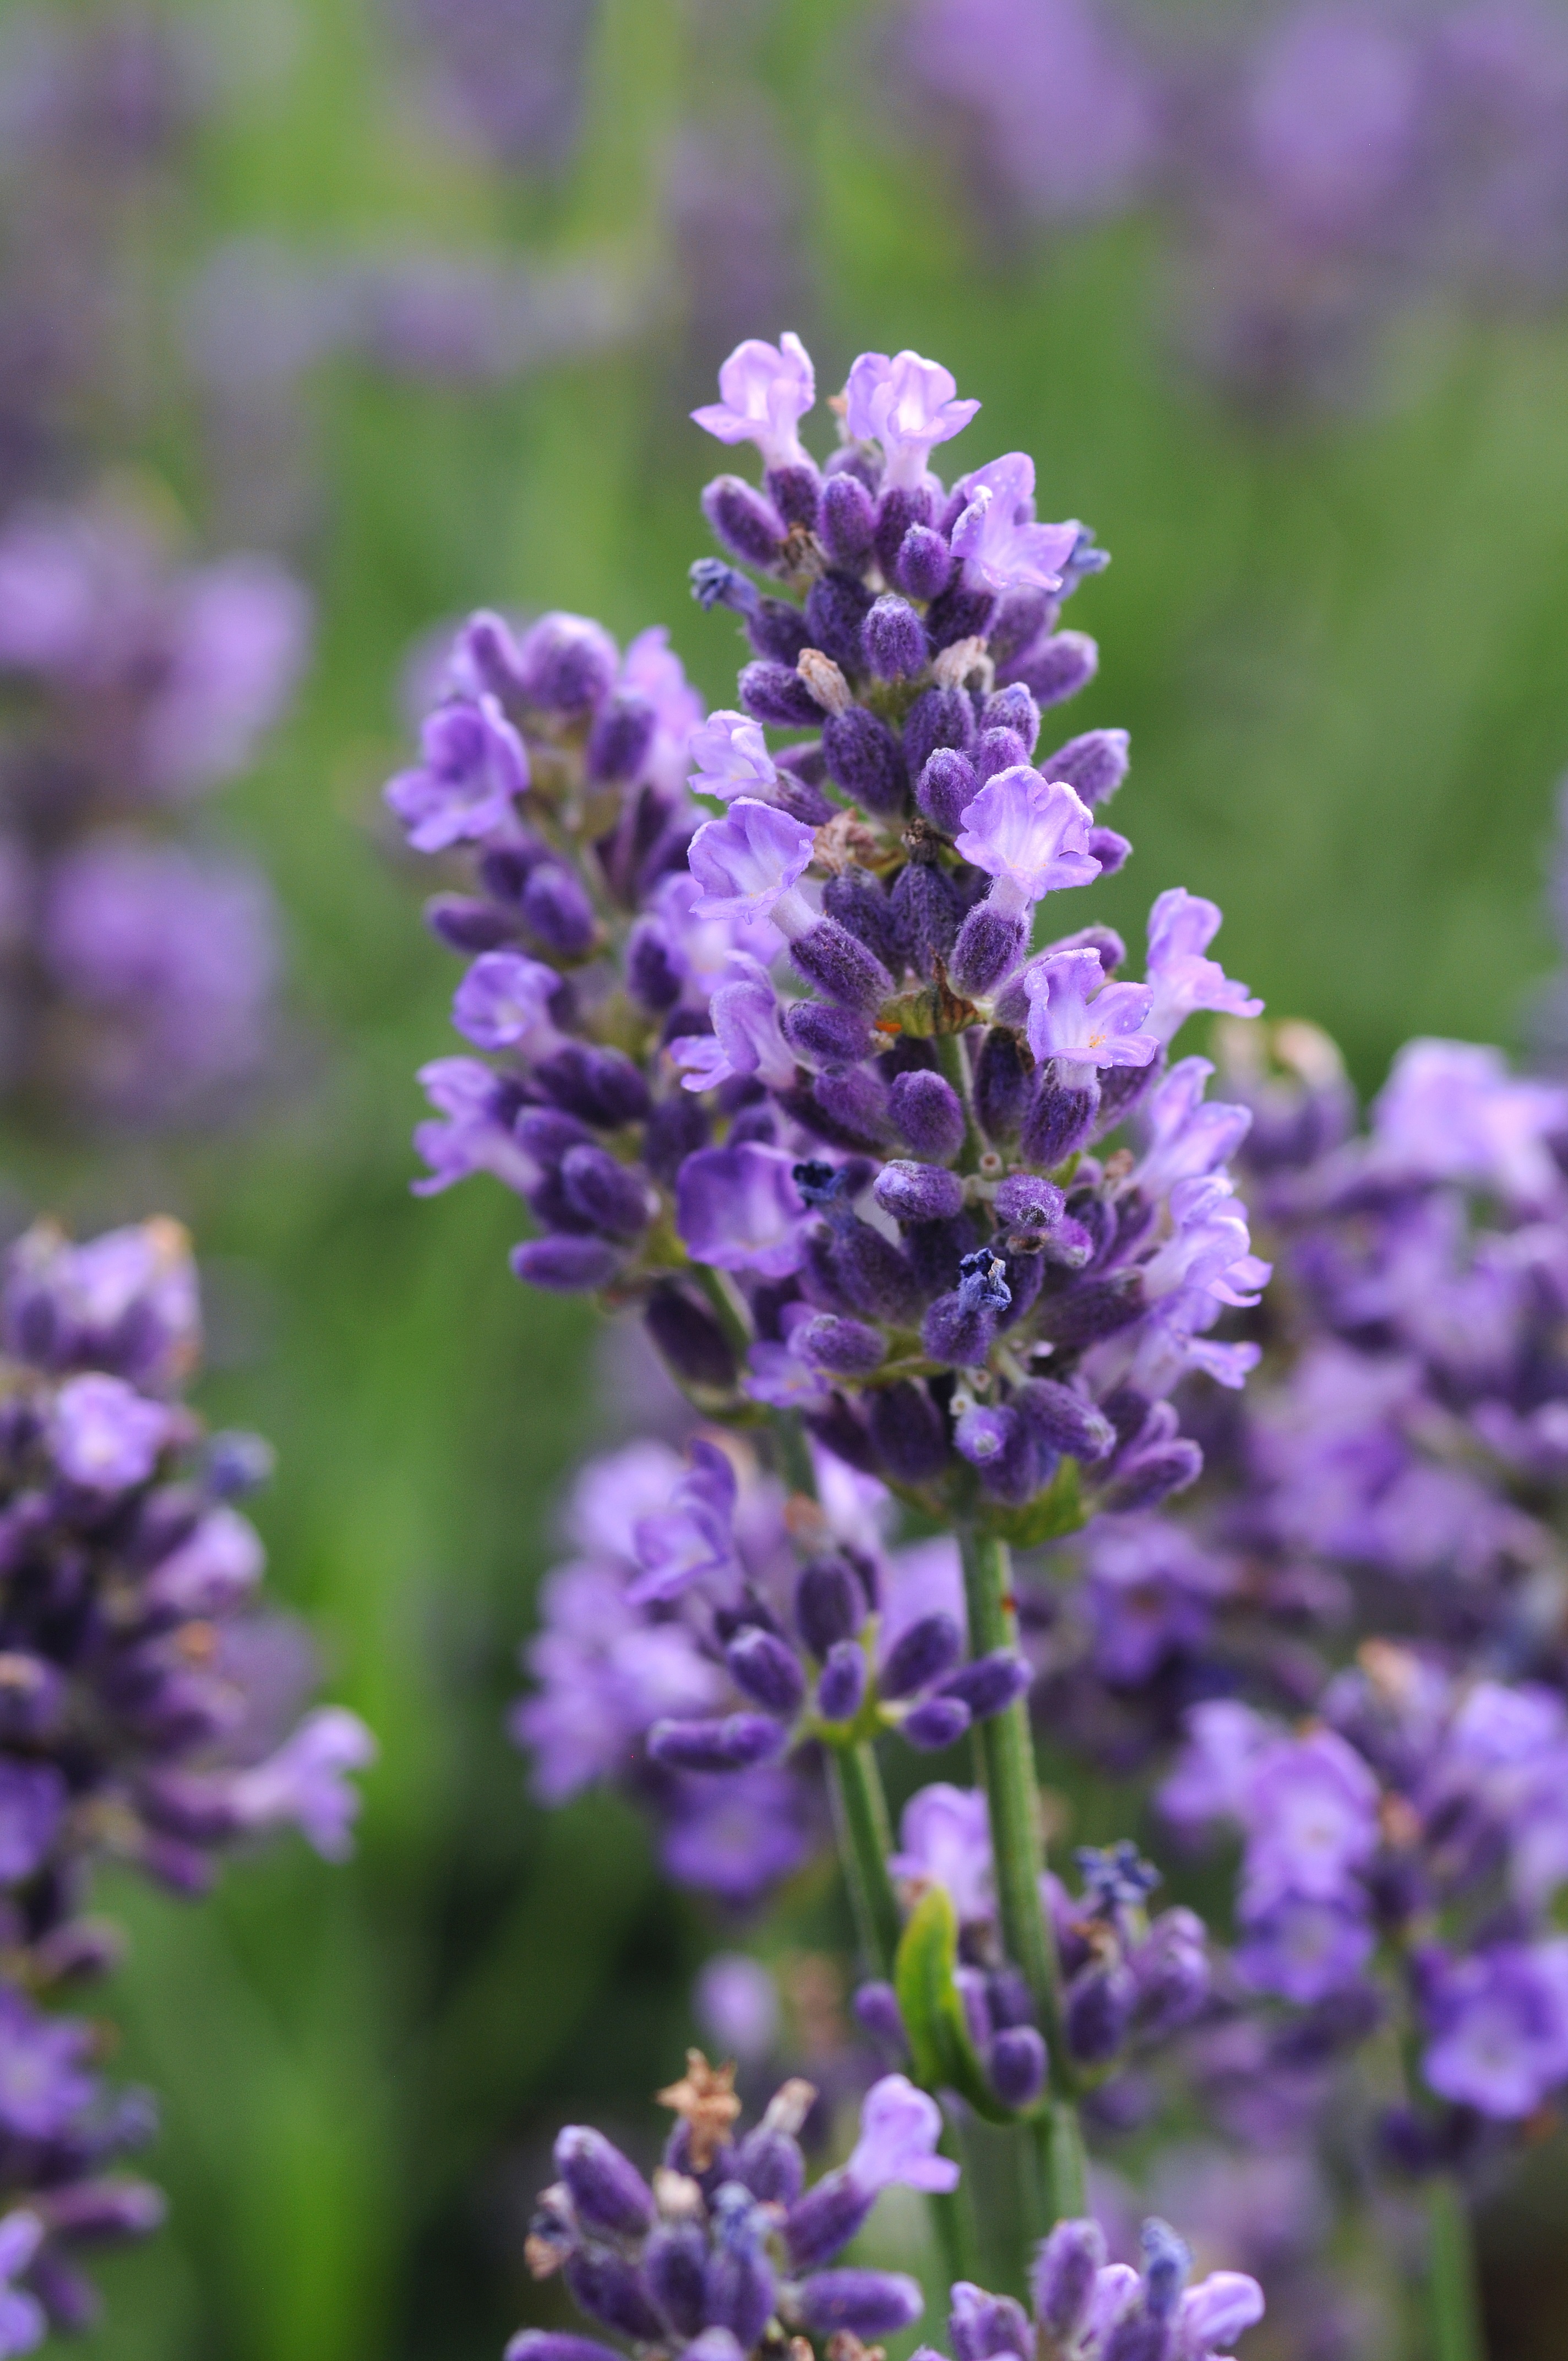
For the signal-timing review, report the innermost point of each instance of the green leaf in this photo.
(1057, 1510)
(940, 2049)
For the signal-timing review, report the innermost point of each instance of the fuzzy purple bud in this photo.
(611, 2291)
(829, 956)
(1063, 2281)
(929, 1113)
(673, 2263)
(1017, 2064)
(749, 526)
(566, 664)
(775, 693)
(949, 785)
(928, 911)
(766, 1670)
(846, 520)
(937, 1724)
(995, 751)
(939, 717)
(836, 605)
(842, 1690)
(795, 490)
(829, 1605)
(1094, 765)
(565, 1266)
(690, 1339)
(866, 2303)
(622, 734)
(827, 1035)
(1014, 709)
(919, 1192)
(1064, 1420)
(733, 1743)
(466, 924)
(894, 638)
(1146, 1479)
(990, 945)
(605, 1193)
(924, 566)
(846, 1347)
(907, 1429)
(1060, 1118)
(990, 1684)
(1058, 667)
(865, 759)
(1005, 1078)
(857, 900)
(877, 2009)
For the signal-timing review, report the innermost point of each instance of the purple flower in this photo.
(1498, 2027)
(909, 406)
(1002, 546)
(900, 2127)
(765, 390)
(1310, 1814)
(605, 1676)
(42, 2084)
(305, 1781)
(1451, 1111)
(474, 765)
(1304, 1950)
(503, 1003)
(736, 1837)
(730, 757)
(1181, 927)
(469, 1137)
(745, 1040)
(652, 671)
(22, 2323)
(739, 1209)
(747, 864)
(1030, 835)
(106, 1436)
(33, 1797)
(1075, 1015)
(1186, 1135)
(945, 1839)
(690, 1538)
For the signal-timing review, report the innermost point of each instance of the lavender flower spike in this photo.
(765, 390)
(1030, 835)
(907, 405)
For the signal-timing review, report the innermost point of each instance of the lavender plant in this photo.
(147, 1711)
(793, 1082)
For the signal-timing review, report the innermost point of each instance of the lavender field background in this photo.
(413, 296)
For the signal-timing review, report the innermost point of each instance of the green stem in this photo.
(793, 1453)
(727, 1308)
(1456, 2331)
(1007, 1767)
(860, 1818)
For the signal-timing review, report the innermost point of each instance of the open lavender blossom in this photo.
(792, 1078)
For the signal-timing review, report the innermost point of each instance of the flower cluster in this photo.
(1084, 2308)
(1322, 169)
(145, 1700)
(793, 1079)
(137, 964)
(729, 2241)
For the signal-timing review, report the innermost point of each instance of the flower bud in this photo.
(609, 2289)
(1099, 2011)
(989, 1684)
(856, 899)
(907, 1429)
(846, 520)
(1109, 848)
(985, 2326)
(565, 1266)
(1094, 764)
(674, 2262)
(842, 1690)
(921, 1655)
(825, 2219)
(602, 1086)
(900, 506)
(466, 924)
(1058, 667)
(690, 1339)
(875, 2006)
(894, 638)
(764, 1668)
(746, 524)
(961, 613)
(1151, 1477)
(1062, 2282)
(775, 693)
(938, 1722)
(924, 566)
(1059, 1119)
(829, 956)
(865, 759)
(566, 664)
(919, 1192)
(829, 1604)
(929, 1113)
(621, 735)
(939, 717)
(604, 1191)
(1014, 709)
(795, 490)
(836, 607)
(1063, 1420)
(733, 1743)
(770, 2164)
(1121, 1088)
(1100, 1307)
(555, 2344)
(866, 2303)
(827, 1035)
(846, 1347)
(926, 911)
(990, 945)
(995, 751)
(1003, 1081)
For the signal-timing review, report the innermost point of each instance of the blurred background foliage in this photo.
(1337, 640)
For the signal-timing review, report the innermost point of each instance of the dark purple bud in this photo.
(960, 613)
(1121, 1088)
(1151, 1477)
(938, 1722)
(842, 1690)
(827, 1037)
(604, 1191)
(921, 1655)
(674, 2262)
(1095, 763)
(990, 945)
(926, 910)
(796, 491)
(1070, 1244)
(959, 1330)
(602, 1086)
(825, 2219)
(236, 1462)
(866, 2303)
(566, 664)
(855, 1105)
(1063, 2281)
(765, 1669)
(463, 924)
(749, 526)
(1100, 1307)
(919, 1192)
(1064, 1420)
(875, 1277)
(856, 899)
(1060, 1118)
(555, 2344)
(990, 1684)
(611, 2291)
(487, 640)
(1110, 850)
(877, 2009)
(997, 750)
(907, 1429)
(777, 694)
(1099, 2011)
(1017, 2064)
(829, 956)
(846, 520)
(800, 797)
(859, 459)
(651, 975)
(829, 1604)
(622, 732)
(676, 1128)
(1014, 709)
(1003, 1079)
(1022, 617)
(865, 759)
(565, 1266)
(1167, 2262)
(714, 584)
(840, 1430)
(836, 607)
(99, 2212)
(734, 1744)
(929, 1113)
(939, 717)
(901, 506)
(948, 786)
(1058, 667)
(777, 630)
(894, 638)
(846, 1347)
(1171, 1970)
(690, 1339)
(985, 2326)
(770, 2164)
(924, 566)
(1029, 1206)
(738, 2287)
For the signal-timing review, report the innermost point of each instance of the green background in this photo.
(1339, 649)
